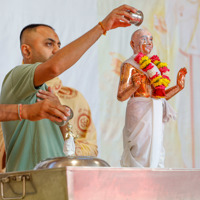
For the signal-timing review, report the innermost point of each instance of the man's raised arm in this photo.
(70, 54)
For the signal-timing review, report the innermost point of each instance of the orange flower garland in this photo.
(155, 70)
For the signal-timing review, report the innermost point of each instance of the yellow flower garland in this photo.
(156, 79)
(146, 63)
(145, 58)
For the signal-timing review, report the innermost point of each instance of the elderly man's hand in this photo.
(136, 78)
(119, 17)
(181, 77)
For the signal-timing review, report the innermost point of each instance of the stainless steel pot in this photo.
(71, 161)
(137, 18)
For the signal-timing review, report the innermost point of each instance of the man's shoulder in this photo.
(128, 66)
(131, 64)
(21, 67)
(18, 83)
(24, 66)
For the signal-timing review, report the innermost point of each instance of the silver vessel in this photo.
(138, 18)
(71, 161)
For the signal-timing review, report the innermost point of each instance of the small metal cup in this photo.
(68, 118)
(138, 18)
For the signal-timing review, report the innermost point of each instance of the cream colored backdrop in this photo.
(175, 28)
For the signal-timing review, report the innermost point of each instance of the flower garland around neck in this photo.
(156, 71)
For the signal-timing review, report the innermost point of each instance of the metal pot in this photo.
(137, 18)
(71, 161)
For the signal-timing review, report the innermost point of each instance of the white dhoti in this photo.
(143, 132)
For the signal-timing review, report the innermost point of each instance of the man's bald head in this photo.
(136, 33)
(141, 41)
(27, 30)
